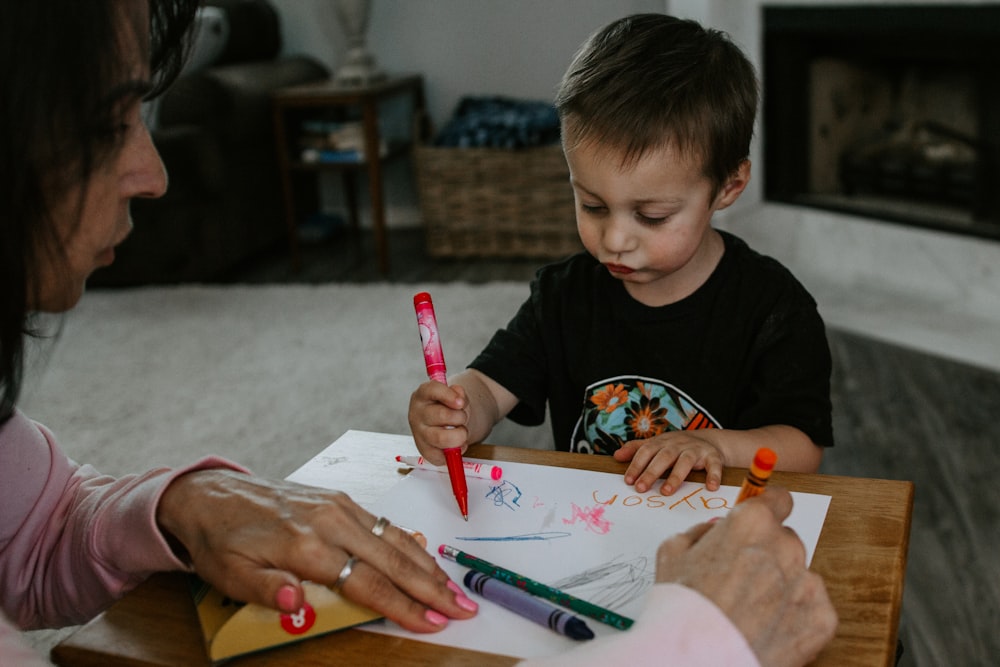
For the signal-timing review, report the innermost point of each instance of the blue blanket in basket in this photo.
(500, 122)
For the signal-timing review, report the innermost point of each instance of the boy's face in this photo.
(649, 222)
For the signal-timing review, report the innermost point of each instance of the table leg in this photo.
(287, 189)
(375, 183)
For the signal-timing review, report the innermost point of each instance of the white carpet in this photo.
(264, 375)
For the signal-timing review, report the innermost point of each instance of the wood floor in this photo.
(898, 414)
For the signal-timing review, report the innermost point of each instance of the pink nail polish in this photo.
(286, 599)
(435, 617)
(461, 599)
(465, 603)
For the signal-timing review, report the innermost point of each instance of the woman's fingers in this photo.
(256, 540)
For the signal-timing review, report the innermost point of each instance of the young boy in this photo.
(668, 343)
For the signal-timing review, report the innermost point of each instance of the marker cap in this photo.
(763, 462)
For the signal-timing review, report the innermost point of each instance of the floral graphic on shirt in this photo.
(610, 397)
(646, 419)
(620, 409)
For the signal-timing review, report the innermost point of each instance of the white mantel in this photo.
(933, 291)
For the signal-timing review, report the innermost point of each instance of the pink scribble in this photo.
(592, 517)
(538, 502)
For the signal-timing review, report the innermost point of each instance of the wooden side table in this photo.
(294, 105)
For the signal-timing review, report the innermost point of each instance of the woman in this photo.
(74, 152)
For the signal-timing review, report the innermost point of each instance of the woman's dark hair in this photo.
(59, 62)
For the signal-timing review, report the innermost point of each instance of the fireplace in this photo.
(890, 112)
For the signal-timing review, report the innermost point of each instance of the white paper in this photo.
(586, 533)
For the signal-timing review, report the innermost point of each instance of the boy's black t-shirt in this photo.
(747, 349)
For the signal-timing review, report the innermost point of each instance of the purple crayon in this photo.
(536, 588)
(527, 605)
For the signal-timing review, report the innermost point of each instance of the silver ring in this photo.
(379, 526)
(344, 573)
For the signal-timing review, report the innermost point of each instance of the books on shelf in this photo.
(327, 142)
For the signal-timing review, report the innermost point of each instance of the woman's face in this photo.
(93, 217)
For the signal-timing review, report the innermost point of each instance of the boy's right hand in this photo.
(439, 417)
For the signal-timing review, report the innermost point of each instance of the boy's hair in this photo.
(648, 81)
(59, 61)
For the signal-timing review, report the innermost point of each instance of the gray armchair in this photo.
(214, 131)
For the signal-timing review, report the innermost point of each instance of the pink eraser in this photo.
(497, 473)
(441, 549)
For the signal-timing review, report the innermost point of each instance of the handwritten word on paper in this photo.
(697, 499)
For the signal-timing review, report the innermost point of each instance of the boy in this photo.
(668, 343)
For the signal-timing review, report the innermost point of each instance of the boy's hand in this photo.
(683, 450)
(438, 418)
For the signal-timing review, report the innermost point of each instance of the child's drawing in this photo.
(506, 495)
(526, 537)
(591, 517)
(586, 533)
(612, 584)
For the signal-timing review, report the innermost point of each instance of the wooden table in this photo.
(294, 104)
(861, 555)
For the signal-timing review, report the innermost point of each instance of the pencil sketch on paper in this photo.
(330, 461)
(505, 494)
(526, 537)
(613, 584)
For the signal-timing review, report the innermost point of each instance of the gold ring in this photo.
(379, 526)
(344, 574)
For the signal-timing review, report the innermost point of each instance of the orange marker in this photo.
(757, 476)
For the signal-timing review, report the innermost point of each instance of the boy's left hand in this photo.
(683, 450)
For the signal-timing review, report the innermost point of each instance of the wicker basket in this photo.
(493, 202)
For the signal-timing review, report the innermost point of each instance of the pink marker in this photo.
(434, 359)
(430, 340)
(473, 469)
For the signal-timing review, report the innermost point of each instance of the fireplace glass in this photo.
(889, 112)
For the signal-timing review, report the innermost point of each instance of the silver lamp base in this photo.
(359, 70)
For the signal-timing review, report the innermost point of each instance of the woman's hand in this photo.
(256, 540)
(754, 570)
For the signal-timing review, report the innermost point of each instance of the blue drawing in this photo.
(506, 495)
(526, 537)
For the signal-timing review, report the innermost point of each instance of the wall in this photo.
(517, 48)
(933, 291)
(462, 47)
